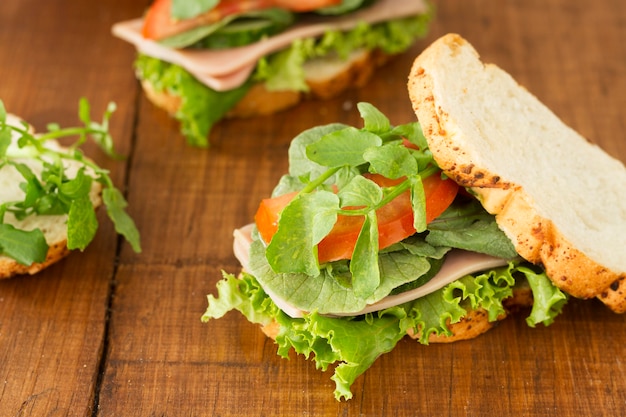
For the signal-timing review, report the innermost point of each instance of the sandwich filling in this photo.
(352, 246)
(211, 67)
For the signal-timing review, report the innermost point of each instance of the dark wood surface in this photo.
(108, 332)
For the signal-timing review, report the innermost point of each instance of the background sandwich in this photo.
(203, 61)
(482, 131)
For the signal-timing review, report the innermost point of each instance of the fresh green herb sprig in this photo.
(48, 189)
(337, 155)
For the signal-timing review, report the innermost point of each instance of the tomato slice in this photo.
(157, 20)
(159, 24)
(395, 219)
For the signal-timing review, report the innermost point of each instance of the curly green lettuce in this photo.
(354, 343)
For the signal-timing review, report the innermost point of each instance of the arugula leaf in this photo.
(299, 162)
(468, 226)
(186, 9)
(33, 189)
(26, 247)
(115, 204)
(343, 147)
(364, 265)
(413, 133)
(5, 135)
(360, 192)
(81, 223)
(78, 187)
(234, 30)
(343, 7)
(374, 120)
(418, 201)
(308, 218)
(392, 160)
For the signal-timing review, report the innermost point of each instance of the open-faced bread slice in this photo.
(54, 227)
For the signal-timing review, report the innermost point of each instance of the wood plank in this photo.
(155, 357)
(52, 325)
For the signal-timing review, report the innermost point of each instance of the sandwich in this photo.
(435, 229)
(49, 193)
(203, 61)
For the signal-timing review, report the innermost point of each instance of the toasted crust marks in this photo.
(491, 135)
(9, 267)
(615, 295)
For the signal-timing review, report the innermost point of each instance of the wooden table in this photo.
(109, 332)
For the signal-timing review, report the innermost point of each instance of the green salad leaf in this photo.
(237, 29)
(186, 9)
(344, 7)
(468, 226)
(25, 246)
(354, 343)
(50, 189)
(200, 108)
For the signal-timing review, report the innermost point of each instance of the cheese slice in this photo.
(225, 69)
(458, 263)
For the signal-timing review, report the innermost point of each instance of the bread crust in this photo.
(535, 236)
(354, 72)
(10, 267)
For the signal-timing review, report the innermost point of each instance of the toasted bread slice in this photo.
(54, 227)
(560, 199)
(326, 77)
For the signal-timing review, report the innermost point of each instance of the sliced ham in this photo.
(458, 263)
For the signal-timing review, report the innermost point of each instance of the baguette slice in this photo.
(560, 199)
(326, 77)
(54, 227)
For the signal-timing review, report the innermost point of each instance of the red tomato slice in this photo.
(395, 219)
(158, 23)
(157, 20)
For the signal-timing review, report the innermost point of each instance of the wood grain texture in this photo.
(109, 332)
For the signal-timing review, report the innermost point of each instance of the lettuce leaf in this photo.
(354, 343)
(201, 107)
